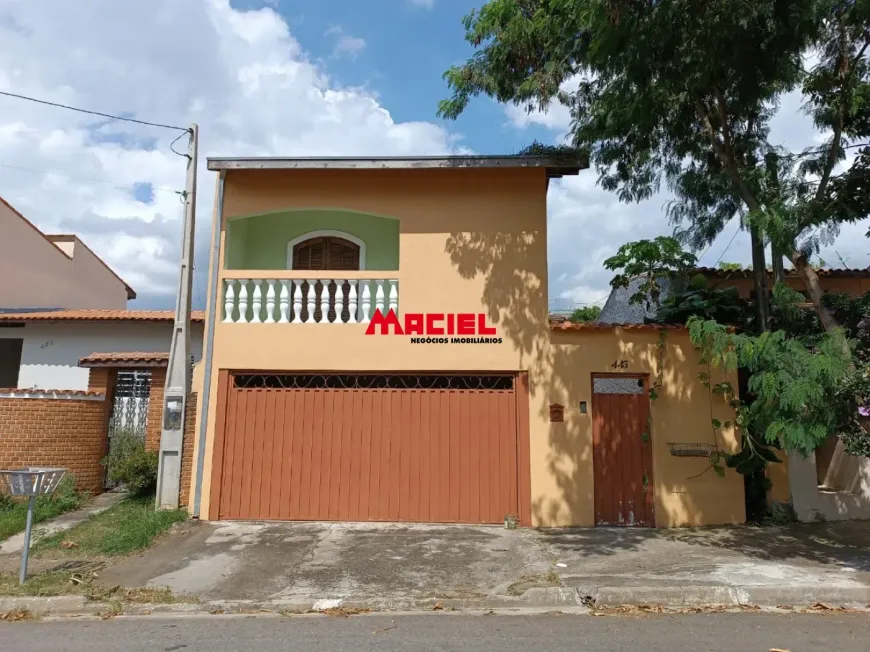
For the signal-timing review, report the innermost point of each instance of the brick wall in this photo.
(55, 432)
(187, 461)
(154, 424)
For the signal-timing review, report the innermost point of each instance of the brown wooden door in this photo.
(337, 448)
(622, 451)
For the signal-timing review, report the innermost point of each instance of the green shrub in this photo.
(129, 464)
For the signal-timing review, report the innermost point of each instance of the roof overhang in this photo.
(555, 168)
(131, 360)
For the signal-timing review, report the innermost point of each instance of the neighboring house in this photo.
(854, 282)
(52, 271)
(619, 310)
(826, 485)
(77, 369)
(464, 403)
(51, 343)
(81, 377)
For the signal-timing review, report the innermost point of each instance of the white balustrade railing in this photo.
(307, 301)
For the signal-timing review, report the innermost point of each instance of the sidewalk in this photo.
(305, 566)
(15, 543)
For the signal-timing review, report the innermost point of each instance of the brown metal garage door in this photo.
(367, 447)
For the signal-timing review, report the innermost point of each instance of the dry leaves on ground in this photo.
(17, 615)
(344, 612)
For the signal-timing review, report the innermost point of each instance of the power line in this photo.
(70, 176)
(729, 244)
(102, 115)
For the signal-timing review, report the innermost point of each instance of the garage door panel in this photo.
(510, 431)
(257, 466)
(365, 464)
(364, 453)
(278, 456)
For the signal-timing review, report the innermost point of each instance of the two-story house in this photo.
(378, 348)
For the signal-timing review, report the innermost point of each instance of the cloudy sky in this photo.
(273, 77)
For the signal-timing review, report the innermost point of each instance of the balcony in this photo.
(299, 297)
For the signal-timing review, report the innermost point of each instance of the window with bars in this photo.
(618, 386)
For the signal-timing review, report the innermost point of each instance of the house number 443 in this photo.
(619, 364)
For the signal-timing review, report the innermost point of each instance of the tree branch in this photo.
(862, 50)
(723, 119)
(834, 152)
(726, 160)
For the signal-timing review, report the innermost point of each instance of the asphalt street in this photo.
(476, 633)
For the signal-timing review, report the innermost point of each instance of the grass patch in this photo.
(52, 584)
(129, 526)
(13, 511)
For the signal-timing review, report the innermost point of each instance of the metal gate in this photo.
(367, 447)
(622, 451)
(129, 417)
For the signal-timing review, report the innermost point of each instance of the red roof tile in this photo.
(98, 315)
(745, 273)
(597, 326)
(65, 392)
(125, 359)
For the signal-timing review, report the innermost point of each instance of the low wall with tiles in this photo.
(55, 428)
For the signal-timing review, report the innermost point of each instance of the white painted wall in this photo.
(51, 351)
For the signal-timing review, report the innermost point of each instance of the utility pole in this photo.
(178, 373)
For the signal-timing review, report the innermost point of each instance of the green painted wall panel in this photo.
(260, 242)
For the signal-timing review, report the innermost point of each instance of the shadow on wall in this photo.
(560, 367)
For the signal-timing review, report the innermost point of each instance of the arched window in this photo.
(326, 250)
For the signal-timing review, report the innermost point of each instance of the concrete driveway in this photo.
(389, 566)
(320, 565)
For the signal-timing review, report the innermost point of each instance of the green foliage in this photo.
(794, 388)
(562, 153)
(724, 305)
(587, 313)
(650, 260)
(13, 511)
(129, 464)
(127, 527)
(730, 267)
(659, 94)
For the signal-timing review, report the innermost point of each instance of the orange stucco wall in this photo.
(49, 276)
(851, 286)
(474, 240)
(562, 488)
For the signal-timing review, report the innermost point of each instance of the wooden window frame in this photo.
(327, 233)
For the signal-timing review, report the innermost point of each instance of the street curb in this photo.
(60, 605)
(537, 599)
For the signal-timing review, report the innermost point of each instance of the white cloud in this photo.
(240, 74)
(555, 116)
(345, 44)
(426, 4)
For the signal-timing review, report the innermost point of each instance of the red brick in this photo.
(55, 432)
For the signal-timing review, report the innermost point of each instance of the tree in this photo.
(585, 314)
(796, 388)
(730, 267)
(649, 260)
(682, 92)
